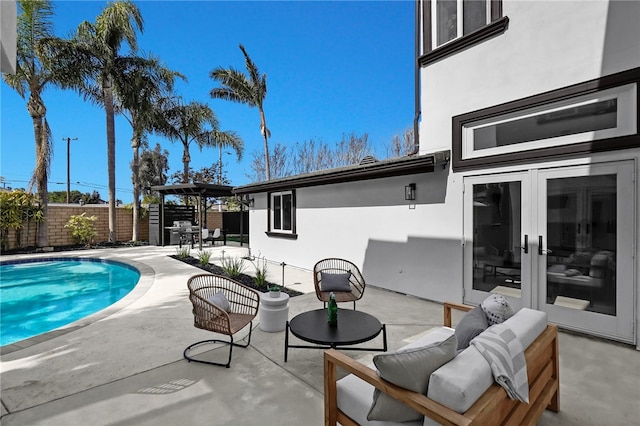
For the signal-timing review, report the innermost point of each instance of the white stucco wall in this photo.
(413, 249)
(8, 36)
(547, 45)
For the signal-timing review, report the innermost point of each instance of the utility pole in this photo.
(68, 172)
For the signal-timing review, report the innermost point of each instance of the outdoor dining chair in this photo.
(339, 276)
(223, 306)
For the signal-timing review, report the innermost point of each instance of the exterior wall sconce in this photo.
(410, 192)
(249, 201)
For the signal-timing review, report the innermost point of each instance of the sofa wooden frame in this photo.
(493, 408)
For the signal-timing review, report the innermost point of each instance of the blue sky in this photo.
(332, 67)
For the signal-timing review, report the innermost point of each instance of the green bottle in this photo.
(332, 310)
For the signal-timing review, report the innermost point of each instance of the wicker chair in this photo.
(339, 266)
(243, 302)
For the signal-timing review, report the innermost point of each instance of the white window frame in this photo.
(272, 224)
(459, 21)
(626, 123)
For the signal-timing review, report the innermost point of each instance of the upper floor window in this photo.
(456, 18)
(282, 212)
(449, 26)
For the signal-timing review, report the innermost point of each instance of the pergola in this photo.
(201, 191)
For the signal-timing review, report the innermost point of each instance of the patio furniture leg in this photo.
(231, 344)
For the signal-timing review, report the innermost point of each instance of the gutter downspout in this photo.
(416, 119)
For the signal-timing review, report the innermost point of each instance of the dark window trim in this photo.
(584, 88)
(497, 26)
(464, 42)
(282, 234)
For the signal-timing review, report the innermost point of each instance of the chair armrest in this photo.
(417, 401)
(449, 306)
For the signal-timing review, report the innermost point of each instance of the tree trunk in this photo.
(37, 111)
(135, 168)
(111, 156)
(264, 131)
(186, 159)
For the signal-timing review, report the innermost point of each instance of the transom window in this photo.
(282, 212)
(600, 115)
(592, 116)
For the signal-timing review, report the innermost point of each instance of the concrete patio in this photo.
(124, 365)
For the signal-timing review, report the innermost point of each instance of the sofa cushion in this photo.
(354, 400)
(496, 308)
(460, 382)
(355, 395)
(527, 324)
(410, 369)
(472, 323)
(335, 282)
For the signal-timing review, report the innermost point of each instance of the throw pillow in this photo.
(220, 300)
(410, 369)
(335, 282)
(472, 323)
(497, 309)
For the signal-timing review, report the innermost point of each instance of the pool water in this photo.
(40, 296)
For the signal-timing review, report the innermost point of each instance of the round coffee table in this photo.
(353, 327)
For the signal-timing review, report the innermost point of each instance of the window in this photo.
(598, 115)
(449, 26)
(282, 212)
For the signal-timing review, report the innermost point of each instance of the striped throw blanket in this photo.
(503, 351)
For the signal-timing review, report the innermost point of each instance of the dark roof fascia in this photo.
(197, 188)
(380, 169)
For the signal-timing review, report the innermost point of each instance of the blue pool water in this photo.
(40, 296)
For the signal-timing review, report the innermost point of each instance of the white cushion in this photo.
(527, 325)
(460, 382)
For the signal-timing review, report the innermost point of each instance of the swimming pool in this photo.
(40, 295)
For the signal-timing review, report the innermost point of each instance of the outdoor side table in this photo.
(274, 312)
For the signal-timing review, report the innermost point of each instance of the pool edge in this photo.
(146, 280)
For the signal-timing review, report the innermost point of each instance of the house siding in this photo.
(419, 250)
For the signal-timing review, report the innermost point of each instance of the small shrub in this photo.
(183, 252)
(233, 267)
(261, 272)
(82, 229)
(204, 257)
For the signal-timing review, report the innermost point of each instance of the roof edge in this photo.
(380, 169)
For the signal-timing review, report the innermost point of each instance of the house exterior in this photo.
(8, 36)
(525, 181)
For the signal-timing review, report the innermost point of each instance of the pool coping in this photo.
(147, 278)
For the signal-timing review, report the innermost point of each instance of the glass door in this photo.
(559, 240)
(585, 247)
(496, 233)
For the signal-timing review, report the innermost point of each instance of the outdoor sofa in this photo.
(460, 392)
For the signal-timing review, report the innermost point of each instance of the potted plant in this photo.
(274, 290)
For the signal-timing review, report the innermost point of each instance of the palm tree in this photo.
(139, 90)
(197, 122)
(96, 46)
(32, 76)
(248, 89)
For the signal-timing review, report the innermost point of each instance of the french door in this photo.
(558, 240)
